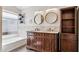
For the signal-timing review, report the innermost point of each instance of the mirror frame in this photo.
(53, 21)
(42, 19)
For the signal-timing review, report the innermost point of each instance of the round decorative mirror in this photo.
(38, 19)
(51, 17)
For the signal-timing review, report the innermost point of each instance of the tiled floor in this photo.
(22, 49)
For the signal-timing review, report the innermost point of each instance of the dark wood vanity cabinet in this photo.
(45, 42)
(69, 26)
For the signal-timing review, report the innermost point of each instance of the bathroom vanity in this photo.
(42, 41)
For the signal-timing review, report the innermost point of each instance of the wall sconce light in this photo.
(21, 18)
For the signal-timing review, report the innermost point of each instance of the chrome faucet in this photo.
(36, 29)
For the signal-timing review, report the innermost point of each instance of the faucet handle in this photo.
(37, 29)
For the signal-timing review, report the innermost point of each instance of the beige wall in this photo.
(29, 19)
(0, 27)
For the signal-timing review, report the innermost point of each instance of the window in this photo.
(9, 23)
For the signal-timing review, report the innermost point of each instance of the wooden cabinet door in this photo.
(30, 40)
(50, 43)
(47, 45)
(54, 43)
(68, 42)
(38, 43)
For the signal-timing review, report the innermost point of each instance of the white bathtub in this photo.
(12, 43)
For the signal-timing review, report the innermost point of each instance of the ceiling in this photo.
(25, 7)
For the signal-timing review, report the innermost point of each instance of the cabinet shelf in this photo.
(68, 19)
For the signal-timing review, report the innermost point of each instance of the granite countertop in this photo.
(43, 31)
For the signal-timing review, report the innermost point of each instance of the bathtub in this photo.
(9, 44)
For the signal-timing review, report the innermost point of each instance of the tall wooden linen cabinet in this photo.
(69, 30)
